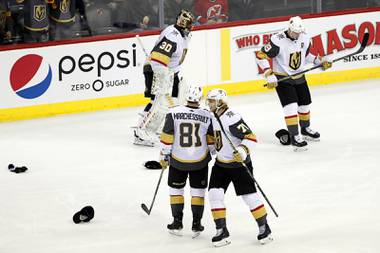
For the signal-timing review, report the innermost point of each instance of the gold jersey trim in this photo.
(293, 77)
(156, 56)
(63, 20)
(190, 161)
(37, 29)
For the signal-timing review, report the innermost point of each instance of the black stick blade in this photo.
(145, 208)
(364, 40)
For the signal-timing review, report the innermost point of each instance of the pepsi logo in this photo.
(30, 76)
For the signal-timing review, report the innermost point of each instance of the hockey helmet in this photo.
(216, 100)
(185, 21)
(295, 25)
(194, 94)
(217, 94)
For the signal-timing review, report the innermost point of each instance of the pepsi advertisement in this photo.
(73, 72)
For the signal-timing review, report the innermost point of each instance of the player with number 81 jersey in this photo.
(187, 133)
(185, 138)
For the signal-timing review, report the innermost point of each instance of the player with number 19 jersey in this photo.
(186, 135)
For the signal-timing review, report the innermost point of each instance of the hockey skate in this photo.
(298, 143)
(265, 235)
(143, 138)
(197, 228)
(221, 238)
(175, 228)
(310, 134)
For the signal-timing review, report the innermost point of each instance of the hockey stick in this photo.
(361, 49)
(245, 166)
(141, 45)
(143, 206)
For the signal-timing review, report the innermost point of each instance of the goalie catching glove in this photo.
(240, 154)
(271, 79)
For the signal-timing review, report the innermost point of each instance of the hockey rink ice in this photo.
(328, 198)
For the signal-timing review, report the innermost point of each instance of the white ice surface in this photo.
(328, 198)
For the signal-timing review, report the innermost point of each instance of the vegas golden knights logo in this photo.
(295, 60)
(64, 6)
(39, 12)
(218, 140)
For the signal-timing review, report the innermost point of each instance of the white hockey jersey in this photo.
(289, 56)
(238, 132)
(170, 49)
(186, 135)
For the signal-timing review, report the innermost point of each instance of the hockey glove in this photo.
(164, 160)
(240, 154)
(212, 149)
(271, 79)
(326, 64)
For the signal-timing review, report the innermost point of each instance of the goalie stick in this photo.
(245, 166)
(143, 206)
(361, 49)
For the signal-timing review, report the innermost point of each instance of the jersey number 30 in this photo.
(189, 135)
(166, 46)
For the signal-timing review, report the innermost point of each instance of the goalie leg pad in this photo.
(162, 80)
(152, 121)
(284, 136)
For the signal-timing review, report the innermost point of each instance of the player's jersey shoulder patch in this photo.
(267, 47)
(280, 36)
(232, 116)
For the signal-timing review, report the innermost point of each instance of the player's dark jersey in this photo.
(62, 11)
(35, 15)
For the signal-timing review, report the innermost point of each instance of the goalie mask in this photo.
(185, 20)
(194, 94)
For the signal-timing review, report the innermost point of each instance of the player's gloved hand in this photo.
(326, 64)
(212, 149)
(240, 154)
(271, 79)
(164, 160)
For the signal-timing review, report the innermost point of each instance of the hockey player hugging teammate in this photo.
(228, 168)
(290, 52)
(186, 140)
(162, 84)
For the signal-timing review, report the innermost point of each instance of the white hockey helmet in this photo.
(194, 94)
(216, 99)
(295, 25)
(217, 94)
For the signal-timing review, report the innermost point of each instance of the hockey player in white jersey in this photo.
(162, 84)
(228, 168)
(290, 52)
(186, 140)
